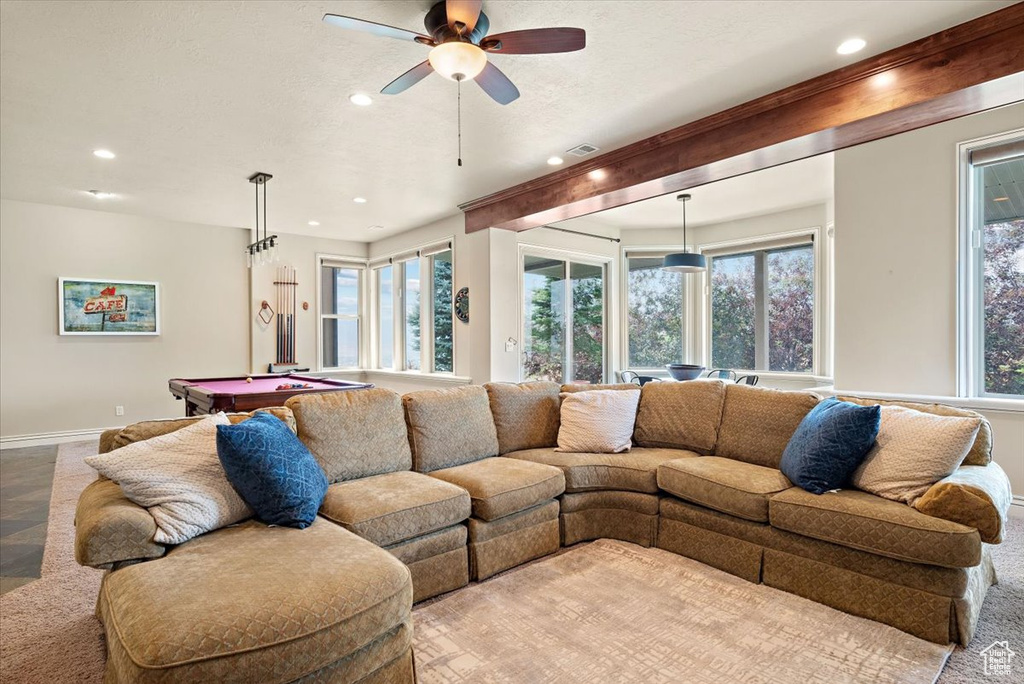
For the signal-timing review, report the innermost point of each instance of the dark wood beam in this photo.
(963, 70)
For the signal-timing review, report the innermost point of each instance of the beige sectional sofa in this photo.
(439, 487)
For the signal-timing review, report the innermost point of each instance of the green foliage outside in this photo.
(1004, 307)
(545, 336)
(441, 293)
(655, 314)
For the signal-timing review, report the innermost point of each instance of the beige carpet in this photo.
(615, 612)
(48, 633)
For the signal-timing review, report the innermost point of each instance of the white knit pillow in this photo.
(179, 478)
(598, 421)
(913, 451)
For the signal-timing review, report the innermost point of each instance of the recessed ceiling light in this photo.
(361, 99)
(314, 223)
(554, 161)
(359, 200)
(99, 194)
(1001, 199)
(104, 154)
(851, 45)
(598, 174)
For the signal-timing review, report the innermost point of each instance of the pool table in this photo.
(211, 395)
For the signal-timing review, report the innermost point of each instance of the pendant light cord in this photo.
(684, 220)
(459, 81)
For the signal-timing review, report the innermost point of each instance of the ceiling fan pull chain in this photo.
(459, 82)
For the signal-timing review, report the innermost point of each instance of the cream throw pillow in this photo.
(913, 451)
(598, 421)
(179, 478)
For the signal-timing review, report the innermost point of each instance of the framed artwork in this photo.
(108, 307)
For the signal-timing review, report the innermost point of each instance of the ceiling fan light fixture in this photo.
(457, 61)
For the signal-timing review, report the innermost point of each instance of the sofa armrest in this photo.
(110, 529)
(976, 496)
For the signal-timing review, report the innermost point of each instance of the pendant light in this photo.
(684, 262)
(264, 250)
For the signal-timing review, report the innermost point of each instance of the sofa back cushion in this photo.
(353, 434)
(757, 422)
(582, 387)
(147, 429)
(449, 427)
(525, 415)
(981, 451)
(680, 415)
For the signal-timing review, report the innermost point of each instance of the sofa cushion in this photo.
(981, 451)
(178, 478)
(147, 429)
(976, 496)
(449, 427)
(395, 507)
(914, 450)
(277, 603)
(867, 522)
(109, 528)
(587, 387)
(635, 471)
(831, 441)
(598, 421)
(501, 486)
(680, 415)
(353, 434)
(757, 423)
(272, 471)
(525, 415)
(729, 486)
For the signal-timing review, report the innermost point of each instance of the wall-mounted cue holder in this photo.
(285, 284)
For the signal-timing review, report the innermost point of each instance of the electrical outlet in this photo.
(119, 410)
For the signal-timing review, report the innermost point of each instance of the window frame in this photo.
(822, 339)
(691, 348)
(970, 380)
(569, 257)
(360, 266)
(424, 255)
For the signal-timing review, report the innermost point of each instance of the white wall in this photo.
(52, 383)
(896, 270)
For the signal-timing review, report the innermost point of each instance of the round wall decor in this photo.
(462, 305)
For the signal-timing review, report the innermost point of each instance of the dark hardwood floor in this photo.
(26, 478)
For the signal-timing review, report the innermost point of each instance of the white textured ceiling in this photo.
(789, 186)
(195, 96)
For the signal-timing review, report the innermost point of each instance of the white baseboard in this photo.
(1017, 507)
(49, 438)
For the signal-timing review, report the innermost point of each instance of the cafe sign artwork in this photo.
(108, 307)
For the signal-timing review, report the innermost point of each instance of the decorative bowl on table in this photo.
(684, 371)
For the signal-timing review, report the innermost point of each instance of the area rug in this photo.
(49, 634)
(616, 612)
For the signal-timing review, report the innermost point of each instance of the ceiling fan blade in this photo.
(536, 41)
(464, 12)
(497, 85)
(408, 79)
(376, 29)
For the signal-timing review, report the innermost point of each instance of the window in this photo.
(340, 285)
(413, 306)
(762, 305)
(654, 312)
(994, 284)
(563, 319)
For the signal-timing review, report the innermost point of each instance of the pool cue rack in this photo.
(286, 286)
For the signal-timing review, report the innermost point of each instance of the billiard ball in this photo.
(248, 379)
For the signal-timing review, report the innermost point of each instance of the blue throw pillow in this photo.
(272, 470)
(830, 443)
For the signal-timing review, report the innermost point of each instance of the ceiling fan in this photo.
(459, 46)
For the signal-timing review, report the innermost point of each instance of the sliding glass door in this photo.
(564, 319)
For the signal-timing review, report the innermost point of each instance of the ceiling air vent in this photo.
(582, 150)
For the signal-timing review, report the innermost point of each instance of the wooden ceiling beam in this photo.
(966, 69)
